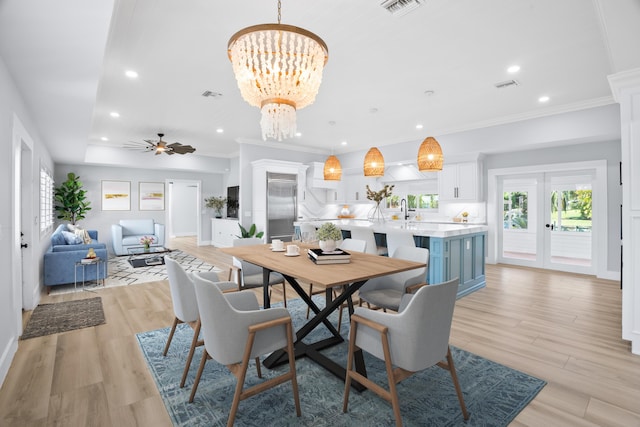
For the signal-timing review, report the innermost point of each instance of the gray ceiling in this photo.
(68, 59)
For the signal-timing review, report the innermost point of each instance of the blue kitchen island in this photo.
(455, 250)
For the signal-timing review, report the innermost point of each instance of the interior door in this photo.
(569, 222)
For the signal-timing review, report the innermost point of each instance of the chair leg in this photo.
(192, 350)
(454, 377)
(258, 369)
(173, 329)
(203, 361)
(347, 381)
(240, 375)
(284, 293)
(393, 392)
(292, 368)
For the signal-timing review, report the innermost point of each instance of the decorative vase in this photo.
(146, 247)
(328, 245)
(375, 214)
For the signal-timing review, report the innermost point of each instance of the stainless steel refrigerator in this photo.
(282, 205)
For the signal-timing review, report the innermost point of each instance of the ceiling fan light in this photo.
(332, 169)
(277, 64)
(373, 163)
(430, 157)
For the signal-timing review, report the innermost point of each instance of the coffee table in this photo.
(141, 257)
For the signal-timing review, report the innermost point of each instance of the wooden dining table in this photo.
(296, 269)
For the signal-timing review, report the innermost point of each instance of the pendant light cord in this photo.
(279, 11)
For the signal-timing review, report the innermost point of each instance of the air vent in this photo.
(211, 94)
(507, 83)
(401, 7)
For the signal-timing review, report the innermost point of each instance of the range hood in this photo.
(397, 173)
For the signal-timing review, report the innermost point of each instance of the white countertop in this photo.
(417, 228)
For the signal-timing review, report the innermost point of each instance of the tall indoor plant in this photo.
(71, 200)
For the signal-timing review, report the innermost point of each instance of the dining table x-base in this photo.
(312, 350)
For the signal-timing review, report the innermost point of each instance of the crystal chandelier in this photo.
(279, 70)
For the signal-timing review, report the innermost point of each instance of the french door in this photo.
(547, 221)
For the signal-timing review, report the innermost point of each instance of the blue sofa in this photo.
(61, 257)
(128, 232)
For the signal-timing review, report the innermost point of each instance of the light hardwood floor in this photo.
(563, 328)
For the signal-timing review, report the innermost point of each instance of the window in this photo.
(46, 200)
(515, 211)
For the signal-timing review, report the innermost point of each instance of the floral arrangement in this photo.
(465, 214)
(146, 240)
(328, 231)
(378, 196)
(216, 203)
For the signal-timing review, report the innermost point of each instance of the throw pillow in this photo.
(83, 235)
(71, 238)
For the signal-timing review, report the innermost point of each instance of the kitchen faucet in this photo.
(406, 211)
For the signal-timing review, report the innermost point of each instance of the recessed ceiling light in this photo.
(513, 69)
(220, 130)
(298, 134)
(131, 74)
(114, 114)
(104, 138)
(544, 98)
(343, 143)
(419, 127)
(429, 92)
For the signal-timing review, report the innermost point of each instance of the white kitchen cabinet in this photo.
(459, 182)
(223, 231)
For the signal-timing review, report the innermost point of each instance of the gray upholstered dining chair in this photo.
(386, 291)
(366, 234)
(235, 330)
(185, 307)
(397, 238)
(404, 343)
(249, 276)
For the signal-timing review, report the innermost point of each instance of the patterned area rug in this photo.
(494, 393)
(121, 272)
(66, 316)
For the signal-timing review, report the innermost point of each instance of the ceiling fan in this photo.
(161, 146)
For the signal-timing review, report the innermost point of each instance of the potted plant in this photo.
(216, 203)
(329, 235)
(71, 200)
(251, 232)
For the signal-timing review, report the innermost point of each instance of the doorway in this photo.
(548, 221)
(183, 213)
(552, 218)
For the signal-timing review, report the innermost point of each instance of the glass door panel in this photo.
(568, 235)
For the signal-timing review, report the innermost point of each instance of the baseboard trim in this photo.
(7, 357)
(610, 275)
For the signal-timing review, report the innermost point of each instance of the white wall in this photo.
(12, 103)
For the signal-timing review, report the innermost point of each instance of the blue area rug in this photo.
(494, 393)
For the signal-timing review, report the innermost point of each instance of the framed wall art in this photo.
(116, 195)
(151, 195)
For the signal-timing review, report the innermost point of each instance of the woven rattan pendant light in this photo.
(430, 156)
(332, 169)
(374, 163)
